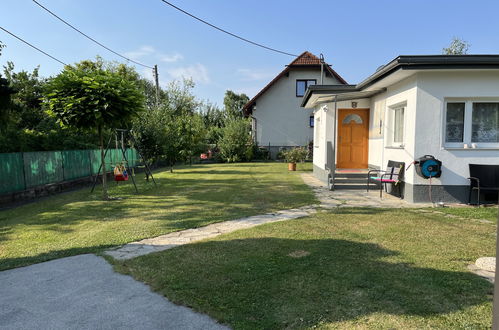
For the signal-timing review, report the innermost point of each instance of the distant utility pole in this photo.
(156, 80)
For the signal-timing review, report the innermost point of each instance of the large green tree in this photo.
(234, 103)
(91, 96)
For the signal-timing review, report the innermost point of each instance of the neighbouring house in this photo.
(278, 121)
(441, 105)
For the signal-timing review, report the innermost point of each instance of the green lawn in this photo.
(482, 213)
(78, 222)
(349, 268)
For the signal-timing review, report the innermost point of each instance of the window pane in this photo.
(352, 117)
(310, 82)
(301, 86)
(398, 125)
(454, 122)
(311, 121)
(485, 122)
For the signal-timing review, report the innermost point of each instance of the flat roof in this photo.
(409, 62)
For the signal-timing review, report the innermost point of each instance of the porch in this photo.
(355, 197)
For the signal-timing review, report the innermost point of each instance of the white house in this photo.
(278, 119)
(440, 105)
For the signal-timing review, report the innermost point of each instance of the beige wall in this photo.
(279, 118)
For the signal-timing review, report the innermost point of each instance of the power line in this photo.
(225, 31)
(88, 37)
(27, 43)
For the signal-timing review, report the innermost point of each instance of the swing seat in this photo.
(121, 177)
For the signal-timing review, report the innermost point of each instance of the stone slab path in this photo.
(83, 292)
(171, 240)
(328, 199)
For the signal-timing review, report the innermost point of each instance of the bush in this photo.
(235, 143)
(295, 155)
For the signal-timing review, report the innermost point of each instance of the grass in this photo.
(79, 222)
(483, 213)
(350, 268)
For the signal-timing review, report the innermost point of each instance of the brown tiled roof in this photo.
(305, 59)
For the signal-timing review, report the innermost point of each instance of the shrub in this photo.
(295, 155)
(235, 143)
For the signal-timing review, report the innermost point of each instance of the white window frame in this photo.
(390, 141)
(468, 122)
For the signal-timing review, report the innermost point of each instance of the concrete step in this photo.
(351, 175)
(351, 180)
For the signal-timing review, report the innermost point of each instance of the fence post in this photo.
(24, 172)
(89, 151)
(62, 166)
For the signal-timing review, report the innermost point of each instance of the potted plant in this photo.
(293, 156)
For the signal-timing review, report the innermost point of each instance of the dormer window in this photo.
(302, 85)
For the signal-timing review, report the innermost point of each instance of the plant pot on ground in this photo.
(293, 156)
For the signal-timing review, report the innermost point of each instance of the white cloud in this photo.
(171, 58)
(252, 75)
(142, 51)
(148, 50)
(197, 72)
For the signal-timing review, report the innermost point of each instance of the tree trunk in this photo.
(103, 165)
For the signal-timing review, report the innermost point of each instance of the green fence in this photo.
(23, 170)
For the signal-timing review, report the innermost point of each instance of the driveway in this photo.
(83, 292)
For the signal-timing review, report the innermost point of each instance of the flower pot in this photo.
(292, 166)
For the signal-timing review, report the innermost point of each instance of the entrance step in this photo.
(352, 179)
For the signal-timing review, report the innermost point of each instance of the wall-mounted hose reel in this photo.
(428, 167)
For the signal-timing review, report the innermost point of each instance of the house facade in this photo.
(278, 121)
(444, 106)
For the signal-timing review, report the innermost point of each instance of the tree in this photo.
(90, 96)
(27, 99)
(214, 120)
(175, 130)
(234, 103)
(457, 47)
(236, 143)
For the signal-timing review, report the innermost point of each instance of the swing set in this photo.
(122, 169)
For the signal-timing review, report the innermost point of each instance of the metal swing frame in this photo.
(121, 146)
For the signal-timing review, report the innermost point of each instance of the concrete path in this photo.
(83, 292)
(328, 199)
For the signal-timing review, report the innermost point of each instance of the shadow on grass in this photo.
(8, 263)
(180, 201)
(287, 283)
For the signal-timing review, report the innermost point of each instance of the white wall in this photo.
(326, 124)
(433, 89)
(280, 119)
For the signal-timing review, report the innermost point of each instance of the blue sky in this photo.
(355, 37)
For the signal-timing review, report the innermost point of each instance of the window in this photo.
(397, 127)
(454, 123)
(485, 123)
(302, 85)
(311, 121)
(353, 117)
(469, 124)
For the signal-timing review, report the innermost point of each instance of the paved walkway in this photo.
(83, 292)
(328, 199)
(354, 197)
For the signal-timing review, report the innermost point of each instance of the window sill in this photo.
(395, 147)
(470, 149)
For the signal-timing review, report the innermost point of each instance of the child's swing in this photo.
(120, 172)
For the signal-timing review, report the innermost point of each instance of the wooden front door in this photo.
(353, 136)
